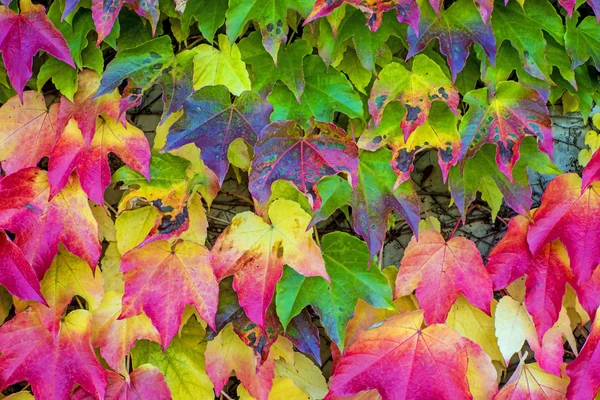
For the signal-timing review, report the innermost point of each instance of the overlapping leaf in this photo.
(255, 252)
(286, 151)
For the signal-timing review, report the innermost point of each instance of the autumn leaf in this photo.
(433, 361)
(285, 151)
(28, 131)
(106, 12)
(40, 225)
(180, 274)
(456, 29)
(255, 252)
(22, 36)
(583, 371)
(17, 275)
(212, 122)
(547, 273)
(70, 152)
(116, 337)
(146, 381)
(505, 120)
(566, 214)
(30, 353)
(415, 90)
(85, 109)
(407, 11)
(347, 263)
(227, 353)
(530, 381)
(182, 363)
(440, 270)
(376, 197)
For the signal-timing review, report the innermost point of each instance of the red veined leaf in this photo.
(529, 381)
(28, 131)
(584, 371)
(51, 366)
(440, 271)
(22, 36)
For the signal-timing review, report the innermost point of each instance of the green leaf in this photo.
(210, 15)
(290, 67)
(326, 91)
(359, 75)
(182, 363)
(347, 263)
(220, 67)
(517, 195)
(271, 16)
(63, 76)
(582, 41)
(334, 192)
(523, 26)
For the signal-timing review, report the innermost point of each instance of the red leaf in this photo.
(16, 275)
(145, 382)
(161, 280)
(22, 36)
(584, 371)
(40, 225)
(573, 217)
(591, 173)
(30, 353)
(440, 271)
(71, 151)
(403, 361)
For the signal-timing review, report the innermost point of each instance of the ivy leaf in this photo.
(28, 131)
(583, 371)
(255, 252)
(567, 213)
(181, 273)
(438, 131)
(591, 172)
(17, 275)
(209, 14)
(145, 381)
(434, 360)
(67, 277)
(514, 326)
(481, 173)
(326, 91)
(333, 192)
(212, 122)
(182, 363)
(271, 18)
(582, 41)
(226, 353)
(22, 36)
(506, 119)
(524, 26)
(547, 273)
(289, 68)
(40, 225)
(376, 197)
(530, 381)
(457, 28)
(85, 109)
(415, 90)
(116, 337)
(70, 152)
(347, 263)
(142, 66)
(285, 151)
(30, 353)
(106, 12)
(407, 11)
(305, 336)
(440, 270)
(221, 67)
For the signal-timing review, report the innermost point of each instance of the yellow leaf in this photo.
(134, 226)
(476, 325)
(106, 226)
(304, 374)
(570, 103)
(221, 67)
(198, 222)
(110, 264)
